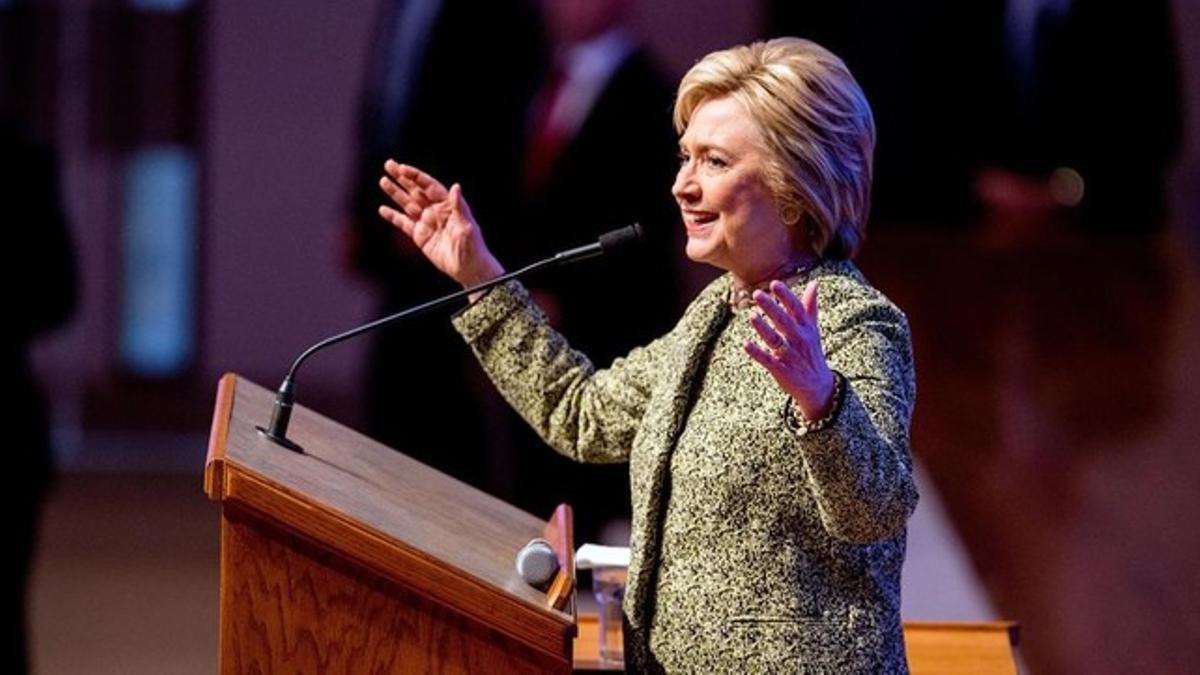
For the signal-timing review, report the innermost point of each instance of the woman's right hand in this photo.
(439, 222)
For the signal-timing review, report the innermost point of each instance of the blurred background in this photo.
(188, 189)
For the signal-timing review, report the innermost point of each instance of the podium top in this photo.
(399, 518)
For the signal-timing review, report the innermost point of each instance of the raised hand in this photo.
(793, 354)
(440, 223)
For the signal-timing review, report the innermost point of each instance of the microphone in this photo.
(536, 562)
(605, 243)
(285, 397)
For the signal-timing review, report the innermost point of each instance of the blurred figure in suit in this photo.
(1023, 151)
(1017, 105)
(1019, 207)
(571, 100)
(39, 281)
(432, 64)
(598, 155)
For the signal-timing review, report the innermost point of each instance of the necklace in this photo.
(741, 298)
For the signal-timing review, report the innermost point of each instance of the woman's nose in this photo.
(685, 188)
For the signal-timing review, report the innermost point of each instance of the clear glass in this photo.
(608, 586)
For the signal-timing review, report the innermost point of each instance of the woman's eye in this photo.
(683, 157)
(715, 161)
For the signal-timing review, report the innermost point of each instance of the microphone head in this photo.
(617, 238)
(536, 562)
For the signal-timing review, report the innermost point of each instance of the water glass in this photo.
(608, 585)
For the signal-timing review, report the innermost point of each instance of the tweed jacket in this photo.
(813, 542)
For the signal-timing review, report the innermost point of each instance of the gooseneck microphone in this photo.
(281, 415)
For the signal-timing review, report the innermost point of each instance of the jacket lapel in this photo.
(682, 373)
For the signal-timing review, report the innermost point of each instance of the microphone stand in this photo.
(281, 415)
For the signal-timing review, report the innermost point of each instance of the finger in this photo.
(397, 194)
(404, 199)
(783, 322)
(763, 357)
(457, 204)
(412, 190)
(432, 186)
(391, 188)
(397, 219)
(393, 169)
(407, 192)
(788, 300)
(461, 208)
(769, 336)
(809, 300)
(394, 189)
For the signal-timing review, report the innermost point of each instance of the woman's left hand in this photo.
(793, 353)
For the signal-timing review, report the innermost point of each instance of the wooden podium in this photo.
(351, 558)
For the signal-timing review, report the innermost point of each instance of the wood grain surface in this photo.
(293, 608)
(370, 509)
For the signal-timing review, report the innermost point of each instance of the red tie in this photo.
(545, 140)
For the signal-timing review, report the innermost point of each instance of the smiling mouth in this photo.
(696, 221)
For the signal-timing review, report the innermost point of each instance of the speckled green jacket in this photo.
(754, 549)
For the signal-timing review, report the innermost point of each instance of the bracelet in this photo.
(796, 421)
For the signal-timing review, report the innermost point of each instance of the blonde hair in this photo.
(816, 125)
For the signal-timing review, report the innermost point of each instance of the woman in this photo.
(767, 441)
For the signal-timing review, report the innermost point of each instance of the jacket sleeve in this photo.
(586, 414)
(859, 468)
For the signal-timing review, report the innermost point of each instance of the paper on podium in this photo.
(590, 556)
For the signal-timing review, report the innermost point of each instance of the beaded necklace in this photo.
(742, 298)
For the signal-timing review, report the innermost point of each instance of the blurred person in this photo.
(1027, 144)
(421, 94)
(39, 281)
(1019, 218)
(1015, 106)
(602, 103)
(602, 100)
(1079, 133)
(1073, 73)
(767, 439)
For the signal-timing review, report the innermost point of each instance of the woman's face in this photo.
(731, 218)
